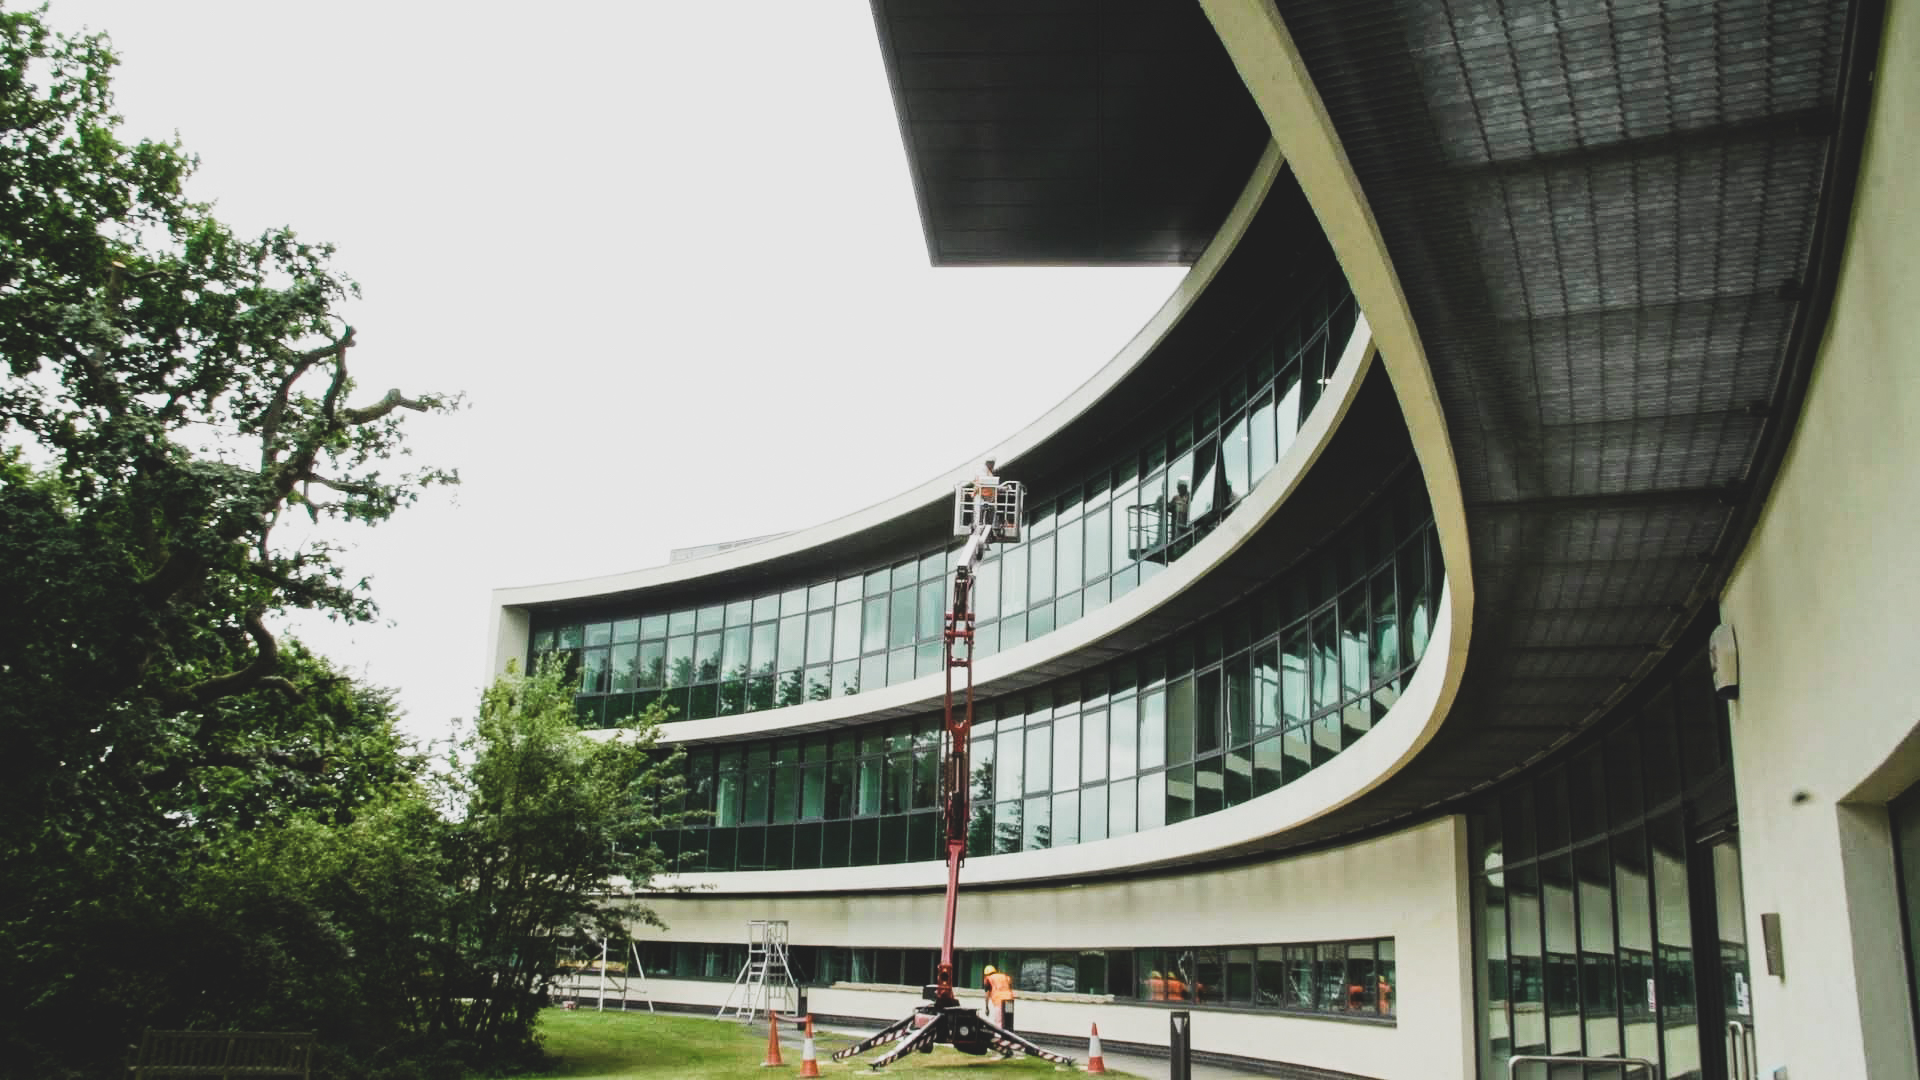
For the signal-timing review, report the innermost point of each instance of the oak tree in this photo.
(174, 393)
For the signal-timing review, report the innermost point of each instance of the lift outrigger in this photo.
(986, 511)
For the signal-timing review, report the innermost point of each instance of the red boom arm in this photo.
(955, 783)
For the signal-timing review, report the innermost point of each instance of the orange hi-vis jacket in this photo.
(999, 987)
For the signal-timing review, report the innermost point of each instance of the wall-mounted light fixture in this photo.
(1723, 653)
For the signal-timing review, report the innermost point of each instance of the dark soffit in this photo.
(1617, 228)
(1083, 132)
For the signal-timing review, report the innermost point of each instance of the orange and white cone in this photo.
(1095, 1064)
(809, 1065)
(773, 1042)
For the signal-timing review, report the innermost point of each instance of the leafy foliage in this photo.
(172, 391)
(202, 826)
(275, 877)
(547, 818)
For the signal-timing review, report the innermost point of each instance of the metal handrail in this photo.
(1741, 1061)
(1514, 1063)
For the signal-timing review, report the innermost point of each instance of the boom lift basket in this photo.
(1001, 501)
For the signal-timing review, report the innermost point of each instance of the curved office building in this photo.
(1462, 625)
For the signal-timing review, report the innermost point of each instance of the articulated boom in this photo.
(986, 510)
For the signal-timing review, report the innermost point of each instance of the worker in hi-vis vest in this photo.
(999, 992)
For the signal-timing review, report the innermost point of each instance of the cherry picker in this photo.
(986, 511)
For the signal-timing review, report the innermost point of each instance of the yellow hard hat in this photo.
(991, 970)
(1153, 975)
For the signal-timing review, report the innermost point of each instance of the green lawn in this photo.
(633, 1046)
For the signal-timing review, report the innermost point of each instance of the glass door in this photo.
(1726, 980)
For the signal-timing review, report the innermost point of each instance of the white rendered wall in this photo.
(1826, 604)
(1408, 885)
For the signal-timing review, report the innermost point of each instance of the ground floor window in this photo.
(1341, 978)
(1594, 881)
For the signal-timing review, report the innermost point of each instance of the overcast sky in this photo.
(669, 251)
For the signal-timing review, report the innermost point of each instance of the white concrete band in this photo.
(1261, 503)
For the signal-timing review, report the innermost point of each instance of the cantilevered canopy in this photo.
(1617, 228)
(1090, 132)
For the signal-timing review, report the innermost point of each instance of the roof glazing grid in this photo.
(1601, 213)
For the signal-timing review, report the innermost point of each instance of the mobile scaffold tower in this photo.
(765, 976)
(986, 510)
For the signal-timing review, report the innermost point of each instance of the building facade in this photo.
(1351, 685)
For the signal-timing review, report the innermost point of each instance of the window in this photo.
(1237, 706)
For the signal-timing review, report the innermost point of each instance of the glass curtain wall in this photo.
(1084, 547)
(1581, 894)
(1240, 704)
(1349, 979)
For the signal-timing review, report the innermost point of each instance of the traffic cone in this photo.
(773, 1042)
(809, 1065)
(1095, 1064)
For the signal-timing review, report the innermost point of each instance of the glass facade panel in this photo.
(1097, 546)
(1153, 730)
(1013, 579)
(986, 591)
(1152, 813)
(679, 661)
(905, 622)
(1093, 814)
(1123, 732)
(1006, 827)
(1066, 753)
(1562, 963)
(846, 631)
(1123, 808)
(873, 634)
(1599, 983)
(1094, 748)
(793, 642)
(707, 658)
(1039, 771)
(1383, 646)
(933, 609)
(1585, 908)
(1009, 776)
(1238, 704)
(1325, 648)
(1525, 963)
(1180, 720)
(1633, 915)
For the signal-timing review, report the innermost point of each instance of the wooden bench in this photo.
(224, 1054)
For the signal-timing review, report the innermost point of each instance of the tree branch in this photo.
(96, 361)
(393, 400)
(302, 363)
(259, 673)
(345, 487)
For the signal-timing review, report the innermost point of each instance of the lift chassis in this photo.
(986, 511)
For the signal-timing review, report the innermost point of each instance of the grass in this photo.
(638, 1046)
